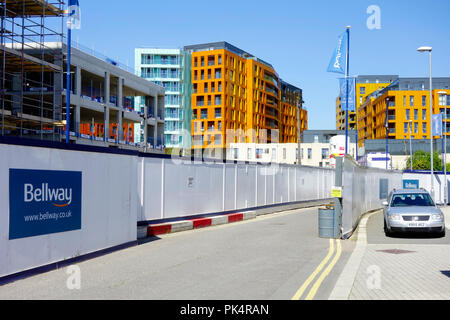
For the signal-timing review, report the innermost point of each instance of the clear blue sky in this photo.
(296, 37)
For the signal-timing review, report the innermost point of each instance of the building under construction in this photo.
(106, 100)
(31, 81)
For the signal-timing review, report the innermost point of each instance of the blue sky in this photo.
(296, 37)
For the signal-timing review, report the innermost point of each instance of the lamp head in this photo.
(425, 49)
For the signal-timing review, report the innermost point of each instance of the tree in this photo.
(422, 161)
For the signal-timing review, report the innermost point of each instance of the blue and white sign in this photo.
(410, 184)
(74, 15)
(338, 60)
(348, 97)
(436, 122)
(43, 202)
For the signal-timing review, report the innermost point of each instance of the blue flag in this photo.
(436, 125)
(74, 15)
(348, 98)
(338, 60)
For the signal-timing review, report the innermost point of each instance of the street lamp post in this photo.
(410, 145)
(387, 131)
(443, 94)
(429, 49)
(299, 136)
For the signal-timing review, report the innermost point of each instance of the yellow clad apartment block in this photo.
(238, 98)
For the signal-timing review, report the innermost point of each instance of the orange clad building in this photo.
(238, 98)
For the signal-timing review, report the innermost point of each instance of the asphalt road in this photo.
(266, 258)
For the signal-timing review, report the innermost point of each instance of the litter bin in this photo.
(329, 223)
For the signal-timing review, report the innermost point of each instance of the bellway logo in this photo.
(46, 194)
(337, 62)
(43, 202)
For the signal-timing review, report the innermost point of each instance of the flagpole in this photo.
(69, 40)
(346, 82)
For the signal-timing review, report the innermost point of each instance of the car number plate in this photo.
(416, 225)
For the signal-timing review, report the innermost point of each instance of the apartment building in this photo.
(286, 153)
(405, 104)
(165, 67)
(365, 85)
(238, 98)
(318, 148)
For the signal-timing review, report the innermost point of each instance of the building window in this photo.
(200, 101)
(325, 153)
(249, 153)
(442, 100)
(218, 139)
(407, 114)
(411, 101)
(424, 127)
(259, 153)
(274, 154)
(236, 153)
(362, 90)
(284, 153)
(218, 73)
(424, 114)
(416, 114)
(309, 153)
(406, 127)
(416, 127)
(424, 101)
(404, 101)
(218, 100)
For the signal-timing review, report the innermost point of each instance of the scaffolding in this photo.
(32, 75)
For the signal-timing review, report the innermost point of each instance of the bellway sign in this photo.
(338, 60)
(43, 202)
(348, 100)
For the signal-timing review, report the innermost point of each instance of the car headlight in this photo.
(394, 217)
(437, 217)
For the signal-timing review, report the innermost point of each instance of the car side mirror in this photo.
(385, 203)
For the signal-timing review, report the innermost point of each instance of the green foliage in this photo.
(422, 161)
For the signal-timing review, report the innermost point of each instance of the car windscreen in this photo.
(412, 199)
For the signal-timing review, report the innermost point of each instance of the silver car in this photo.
(412, 210)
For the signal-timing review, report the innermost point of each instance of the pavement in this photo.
(406, 267)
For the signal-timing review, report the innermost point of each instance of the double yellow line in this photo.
(324, 274)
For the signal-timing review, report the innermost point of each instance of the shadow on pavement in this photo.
(417, 235)
(446, 273)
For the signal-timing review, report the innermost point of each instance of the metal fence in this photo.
(363, 191)
(172, 189)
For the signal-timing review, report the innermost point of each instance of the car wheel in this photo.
(386, 230)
